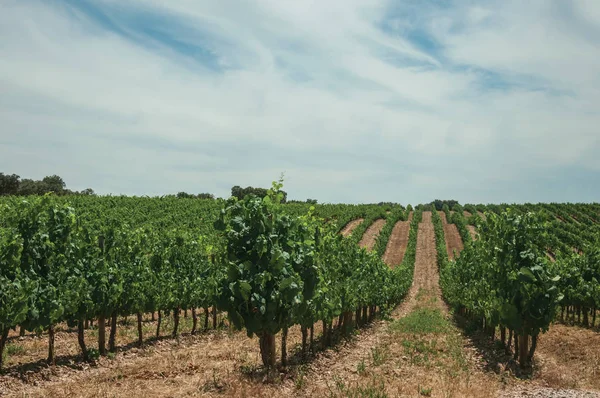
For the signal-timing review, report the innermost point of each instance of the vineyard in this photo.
(344, 300)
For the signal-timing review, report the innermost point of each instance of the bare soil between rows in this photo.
(371, 234)
(454, 243)
(396, 246)
(351, 226)
(472, 231)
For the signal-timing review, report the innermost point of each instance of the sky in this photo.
(356, 101)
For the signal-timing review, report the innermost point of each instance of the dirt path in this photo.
(454, 242)
(396, 246)
(466, 214)
(443, 217)
(472, 231)
(426, 276)
(371, 234)
(453, 239)
(351, 226)
(391, 359)
(426, 217)
(482, 215)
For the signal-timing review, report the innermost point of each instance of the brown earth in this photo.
(396, 246)
(472, 231)
(453, 240)
(466, 214)
(351, 226)
(371, 234)
(426, 274)
(426, 217)
(443, 217)
(482, 215)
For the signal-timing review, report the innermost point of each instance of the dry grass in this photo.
(569, 357)
(214, 363)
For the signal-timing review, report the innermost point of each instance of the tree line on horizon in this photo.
(12, 184)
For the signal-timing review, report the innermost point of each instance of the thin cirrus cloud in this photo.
(355, 100)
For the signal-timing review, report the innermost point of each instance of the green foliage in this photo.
(580, 278)
(458, 219)
(16, 286)
(240, 193)
(285, 269)
(13, 185)
(439, 204)
(9, 184)
(505, 276)
(270, 263)
(440, 240)
(185, 195)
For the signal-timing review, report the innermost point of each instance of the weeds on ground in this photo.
(420, 351)
(379, 354)
(422, 321)
(361, 368)
(374, 389)
(14, 350)
(300, 380)
(426, 392)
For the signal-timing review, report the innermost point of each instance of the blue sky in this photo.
(355, 100)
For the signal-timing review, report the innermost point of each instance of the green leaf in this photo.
(245, 290)
(526, 275)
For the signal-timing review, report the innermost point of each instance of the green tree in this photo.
(54, 184)
(30, 187)
(9, 184)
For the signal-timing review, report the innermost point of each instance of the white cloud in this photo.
(317, 89)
